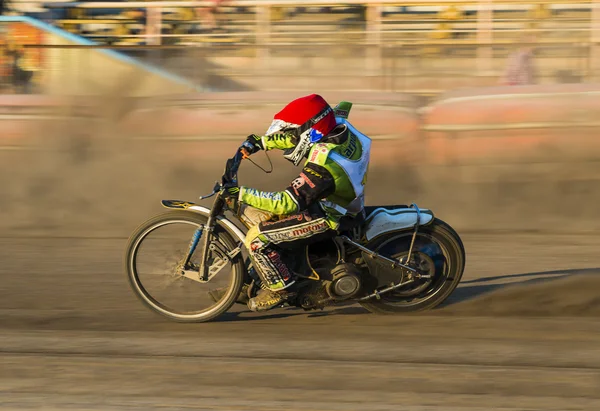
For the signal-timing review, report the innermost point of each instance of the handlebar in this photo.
(231, 168)
(229, 178)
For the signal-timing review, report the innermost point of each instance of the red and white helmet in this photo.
(309, 118)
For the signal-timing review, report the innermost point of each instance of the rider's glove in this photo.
(252, 144)
(231, 195)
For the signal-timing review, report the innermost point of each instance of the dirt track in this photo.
(74, 337)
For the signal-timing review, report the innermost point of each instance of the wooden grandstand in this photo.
(241, 21)
(417, 45)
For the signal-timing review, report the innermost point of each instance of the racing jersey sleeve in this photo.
(280, 141)
(313, 184)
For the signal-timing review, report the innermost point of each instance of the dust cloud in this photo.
(83, 176)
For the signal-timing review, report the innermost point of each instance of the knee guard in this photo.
(272, 270)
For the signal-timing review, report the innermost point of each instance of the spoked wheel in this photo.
(168, 282)
(438, 253)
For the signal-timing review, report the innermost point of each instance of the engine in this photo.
(340, 283)
(335, 281)
(345, 282)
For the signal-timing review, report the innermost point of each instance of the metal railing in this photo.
(460, 21)
(259, 20)
(368, 49)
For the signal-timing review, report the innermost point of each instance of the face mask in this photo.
(296, 154)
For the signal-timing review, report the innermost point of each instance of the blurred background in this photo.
(420, 47)
(485, 111)
(476, 105)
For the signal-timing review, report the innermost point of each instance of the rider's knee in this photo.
(251, 236)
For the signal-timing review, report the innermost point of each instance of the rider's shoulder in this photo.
(319, 153)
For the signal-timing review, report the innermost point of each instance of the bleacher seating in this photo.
(399, 23)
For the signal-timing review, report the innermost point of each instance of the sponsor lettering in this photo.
(279, 237)
(313, 172)
(351, 147)
(300, 151)
(300, 181)
(314, 155)
(322, 116)
(274, 196)
(278, 136)
(297, 183)
(267, 270)
(292, 233)
(279, 265)
(341, 113)
(298, 217)
(310, 229)
(268, 223)
(319, 148)
(307, 180)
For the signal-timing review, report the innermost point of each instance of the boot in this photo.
(267, 299)
(218, 293)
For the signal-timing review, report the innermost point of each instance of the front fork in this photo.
(207, 238)
(192, 247)
(203, 270)
(205, 246)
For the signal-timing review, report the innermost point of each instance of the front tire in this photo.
(449, 256)
(194, 220)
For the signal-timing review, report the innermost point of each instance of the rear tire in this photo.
(187, 217)
(452, 245)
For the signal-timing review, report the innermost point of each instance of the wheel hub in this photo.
(424, 266)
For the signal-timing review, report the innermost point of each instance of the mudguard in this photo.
(382, 220)
(231, 228)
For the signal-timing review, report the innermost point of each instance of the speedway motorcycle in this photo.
(391, 259)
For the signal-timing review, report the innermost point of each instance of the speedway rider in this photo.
(330, 186)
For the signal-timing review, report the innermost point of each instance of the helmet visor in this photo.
(280, 126)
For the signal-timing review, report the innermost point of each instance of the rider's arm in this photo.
(280, 141)
(313, 184)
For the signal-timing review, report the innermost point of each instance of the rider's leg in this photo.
(274, 273)
(250, 217)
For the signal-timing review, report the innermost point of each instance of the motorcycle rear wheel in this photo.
(450, 264)
(173, 273)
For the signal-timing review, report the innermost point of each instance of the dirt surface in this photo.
(73, 336)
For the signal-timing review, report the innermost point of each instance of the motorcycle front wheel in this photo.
(163, 277)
